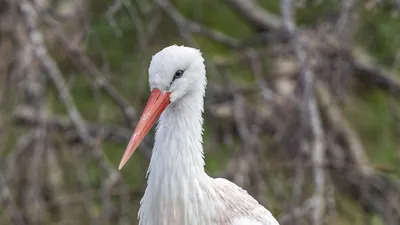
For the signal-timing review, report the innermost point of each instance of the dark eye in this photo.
(178, 74)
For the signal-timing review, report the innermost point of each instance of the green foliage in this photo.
(220, 17)
(373, 117)
(379, 33)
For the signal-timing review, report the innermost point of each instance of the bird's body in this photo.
(179, 192)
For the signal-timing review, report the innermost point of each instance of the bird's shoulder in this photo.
(246, 209)
(233, 189)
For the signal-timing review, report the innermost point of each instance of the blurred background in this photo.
(302, 106)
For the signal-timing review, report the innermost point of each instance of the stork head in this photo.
(177, 70)
(174, 72)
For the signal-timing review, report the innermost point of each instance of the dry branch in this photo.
(255, 15)
(30, 16)
(185, 24)
(25, 116)
(309, 108)
(36, 38)
(372, 190)
(338, 123)
(82, 61)
(346, 22)
(375, 74)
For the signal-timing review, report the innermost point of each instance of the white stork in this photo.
(179, 192)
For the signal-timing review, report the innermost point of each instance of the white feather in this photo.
(179, 192)
(245, 221)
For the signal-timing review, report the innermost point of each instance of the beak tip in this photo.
(121, 164)
(124, 159)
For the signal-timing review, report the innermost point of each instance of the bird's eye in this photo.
(178, 74)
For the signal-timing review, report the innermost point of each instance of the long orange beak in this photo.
(156, 104)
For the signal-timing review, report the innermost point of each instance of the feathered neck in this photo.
(177, 181)
(178, 140)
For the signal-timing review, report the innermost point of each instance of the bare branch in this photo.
(375, 74)
(255, 15)
(26, 116)
(318, 143)
(256, 65)
(194, 27)
(345, 25)
(12, 206)
(82, 61)
(111, 11)
(36, 38)
(336, 120)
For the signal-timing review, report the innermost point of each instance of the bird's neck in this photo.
(178, 150)
(177, 180)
